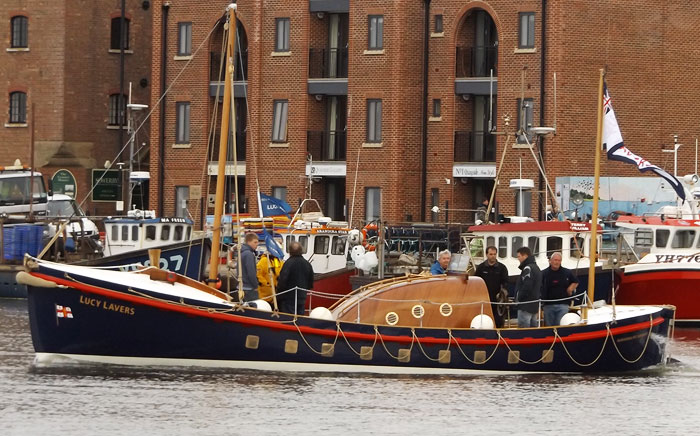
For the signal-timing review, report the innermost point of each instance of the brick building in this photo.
(62, 60)
(397, 106)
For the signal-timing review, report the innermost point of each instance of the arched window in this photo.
(116, 33)
(20, 32)
(117, 111)
(18, 108)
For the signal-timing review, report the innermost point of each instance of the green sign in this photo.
(106, 185)
(63, 182)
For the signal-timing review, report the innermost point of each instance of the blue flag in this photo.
(272, 206)
(272, 246)
(616, 150)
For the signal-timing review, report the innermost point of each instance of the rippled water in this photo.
(99, 400)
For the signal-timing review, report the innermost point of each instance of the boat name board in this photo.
(331, 231)
(580, 227)
(174, 220)
(678, 258)
(106, 305)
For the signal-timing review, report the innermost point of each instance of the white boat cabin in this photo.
(123, 235)
(658, 240)
(543, 238)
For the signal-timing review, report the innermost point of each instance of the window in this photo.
(182, 194)
(178, 233)
(187, 233)
(683, 239)
(18, 108)
(287, 242)
(280, 193)
(376, 30)
(526, 32)
(374, 120)
(125, 233)
(643, 238)
(151, 233)
(165, 233)
(525, 114)
(115, 233)
(554, 244)
(533, 243)
(117, 110)
(134, 233)
(372, 203)
(182, 123)
(662, 238)
(20, 32)
(184, 46)
(304, 241)
(576, 247)
(438, 24)
(515, 243)
(279, 121)
(282, 34)
(338, 246)
(321, 244)
(117, 37)
(502, 246)
(436, 107)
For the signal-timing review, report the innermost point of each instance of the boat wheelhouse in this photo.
(128, 234)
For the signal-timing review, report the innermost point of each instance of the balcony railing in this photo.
(328, 63)
(326, 145)
(476, 61)
(240, 72)
(474, 147)
(240, 147)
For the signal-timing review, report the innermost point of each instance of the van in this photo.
(64, 206)
(16, 194)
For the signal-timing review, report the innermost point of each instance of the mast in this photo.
(223, 142)
(596, 186)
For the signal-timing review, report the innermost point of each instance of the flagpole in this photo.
(592, 254)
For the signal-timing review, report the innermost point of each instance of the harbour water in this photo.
(101, 400)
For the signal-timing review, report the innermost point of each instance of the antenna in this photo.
(491, 128)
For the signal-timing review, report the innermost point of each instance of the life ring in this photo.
(365, 239)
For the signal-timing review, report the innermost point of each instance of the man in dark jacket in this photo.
(495, 274)
(295, 279)
(249, 271)
(528, 289)
(558, 284)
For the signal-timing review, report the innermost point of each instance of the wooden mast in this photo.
(592, 254)
(223, 142)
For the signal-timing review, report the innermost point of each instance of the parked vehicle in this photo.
(19, 188)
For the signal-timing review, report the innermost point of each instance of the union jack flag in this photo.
(63, 312)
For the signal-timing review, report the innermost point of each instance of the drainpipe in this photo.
(120, 100)
(424, 112)
(161, 130)
(543, 69)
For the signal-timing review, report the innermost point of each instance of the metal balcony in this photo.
(326, 145)
(474, 147)
(328, 63)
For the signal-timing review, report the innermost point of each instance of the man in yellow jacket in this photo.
(268, 269)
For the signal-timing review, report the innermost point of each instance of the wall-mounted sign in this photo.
(481, 171)
(106, 185)
(336, 169)
(63, 182)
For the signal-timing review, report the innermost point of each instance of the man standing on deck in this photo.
(495, 274)
(296, 278)
(527, 290)
(558, 284)
(248, 269)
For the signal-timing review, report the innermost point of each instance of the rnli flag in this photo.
(272, 206)
(63, 312)
(616, 150)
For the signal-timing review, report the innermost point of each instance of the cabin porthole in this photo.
(417, 311)
(445, 309)
(391, 318)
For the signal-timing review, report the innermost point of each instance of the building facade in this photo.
(389, 108)
(61, 78)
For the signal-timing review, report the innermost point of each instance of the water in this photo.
(100, 400)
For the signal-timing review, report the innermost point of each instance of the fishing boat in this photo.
(418, 324)
(668, 270)
(570, 238)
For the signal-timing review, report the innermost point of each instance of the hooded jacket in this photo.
(529, 285)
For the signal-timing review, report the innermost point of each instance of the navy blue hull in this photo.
(120, 323)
